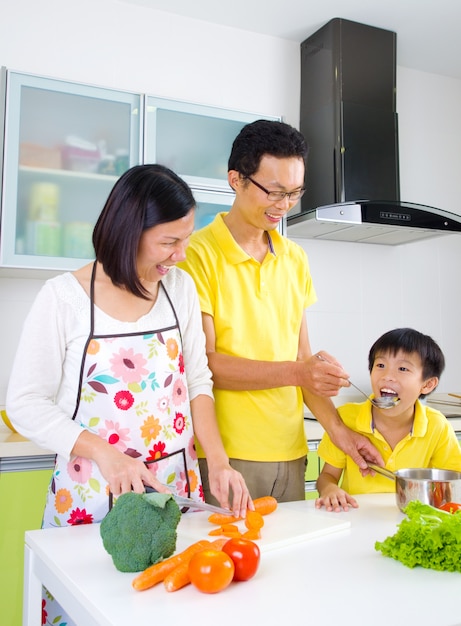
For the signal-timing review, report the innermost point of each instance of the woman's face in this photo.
(162, 246)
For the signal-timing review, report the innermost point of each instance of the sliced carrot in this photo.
(252, 533)
(179, 577)
(216, 532)
(228, 528)
(154, 574)
(254, 519)
(265, 505)
(219, 519)
(232, 534)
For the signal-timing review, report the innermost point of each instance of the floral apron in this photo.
(132, 393)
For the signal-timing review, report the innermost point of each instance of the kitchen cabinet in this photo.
(65, 144)
(193, 140)
(22, 499)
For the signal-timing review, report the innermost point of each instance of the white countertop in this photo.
(335, 579)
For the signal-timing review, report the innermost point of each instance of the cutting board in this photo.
(291, 522)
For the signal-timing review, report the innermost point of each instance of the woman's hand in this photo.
(224, 480)
(122, 472)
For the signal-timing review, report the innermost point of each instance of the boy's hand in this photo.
(335, 499)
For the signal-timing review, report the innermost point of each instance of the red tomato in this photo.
(211, 570)
(245, 555)
(451, 507)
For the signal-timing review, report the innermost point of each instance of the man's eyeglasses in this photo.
(276, 196)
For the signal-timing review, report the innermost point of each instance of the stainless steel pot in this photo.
(428, 485)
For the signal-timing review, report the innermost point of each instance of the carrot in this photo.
(252, 533)
(232, 534)
(217, 544)
(179, 577)
(216, 532)
(154, 574)
(254, 519)
(265, 505)
(220, 519)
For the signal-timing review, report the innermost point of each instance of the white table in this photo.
(337, 579)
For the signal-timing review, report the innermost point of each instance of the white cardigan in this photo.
(43, 386)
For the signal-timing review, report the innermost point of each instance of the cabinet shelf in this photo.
(50, 174)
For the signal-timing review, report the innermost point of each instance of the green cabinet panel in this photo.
(22, 500)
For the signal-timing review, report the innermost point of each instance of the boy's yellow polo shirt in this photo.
(432, 443)
(257, 310)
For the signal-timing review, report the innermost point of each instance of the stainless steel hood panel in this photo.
(383, 223)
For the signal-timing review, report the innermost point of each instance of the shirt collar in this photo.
(233, 252)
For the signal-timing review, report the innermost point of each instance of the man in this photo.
(254, 286)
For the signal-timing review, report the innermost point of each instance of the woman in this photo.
(111, 371)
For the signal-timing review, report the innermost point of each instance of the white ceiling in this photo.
(428, 31)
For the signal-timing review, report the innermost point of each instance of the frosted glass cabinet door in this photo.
(65, 146)
(209, 203)
(193, 140)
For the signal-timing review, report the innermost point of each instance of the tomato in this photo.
(211, 570)
(451, 507)
(245, 554)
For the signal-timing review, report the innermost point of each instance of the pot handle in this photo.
(382, 470)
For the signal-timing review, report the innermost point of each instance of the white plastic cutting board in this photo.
(291, 522)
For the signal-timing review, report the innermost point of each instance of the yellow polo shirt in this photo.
(257, 310)
(432, 443)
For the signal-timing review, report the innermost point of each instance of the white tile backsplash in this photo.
(420, 281)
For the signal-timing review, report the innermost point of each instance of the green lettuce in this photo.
(428, 537)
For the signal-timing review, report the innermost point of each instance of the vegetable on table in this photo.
(245, 555)
(265, 505)
(140, 530)
(159, 571)
(211, 571)
(428, 537)
(450, 507)
(179, 577)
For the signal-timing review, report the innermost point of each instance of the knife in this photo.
(194, 504)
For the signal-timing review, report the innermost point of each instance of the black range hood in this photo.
(348, 116)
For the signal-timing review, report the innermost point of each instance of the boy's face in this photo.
(400, 375)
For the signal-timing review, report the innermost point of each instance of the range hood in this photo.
(348, 116)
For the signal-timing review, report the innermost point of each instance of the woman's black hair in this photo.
(410, 341)
(143, 197)
(265, 137)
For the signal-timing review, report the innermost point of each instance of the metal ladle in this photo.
(388, 402)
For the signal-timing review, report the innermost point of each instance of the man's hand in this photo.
(358, 447)
(323, 375)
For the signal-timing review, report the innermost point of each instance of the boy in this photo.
(407, 364)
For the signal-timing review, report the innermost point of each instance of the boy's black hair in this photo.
(265, 137)
(410, 341)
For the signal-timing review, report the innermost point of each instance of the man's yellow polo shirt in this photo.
(432, 443)
(257, 310)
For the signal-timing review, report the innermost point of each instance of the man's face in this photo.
(276, 175)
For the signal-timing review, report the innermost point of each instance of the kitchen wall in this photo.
(110, 43)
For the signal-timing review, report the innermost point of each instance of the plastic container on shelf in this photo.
(78, 242)
(43, 238)
(44, 202)
(80, 159)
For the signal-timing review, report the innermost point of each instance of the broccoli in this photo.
(140, 530)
